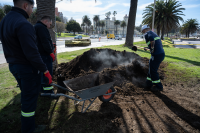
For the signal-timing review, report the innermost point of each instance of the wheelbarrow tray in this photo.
(85, 87)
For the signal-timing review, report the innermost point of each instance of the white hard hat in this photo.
(145, 27)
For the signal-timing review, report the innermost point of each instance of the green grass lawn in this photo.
(185, 61)
(71, 35)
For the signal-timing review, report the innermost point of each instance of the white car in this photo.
(92, 36)
(118, 37)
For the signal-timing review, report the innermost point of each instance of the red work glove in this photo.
(47, 74)
(52, 56)
(54, 50)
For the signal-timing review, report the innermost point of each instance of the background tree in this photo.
(167, 15)
(96, 19)
(73, 26)
(83, 25)
(89, 24)
(33, 17)
(106, 32)
(102, 25)
(116, 23)
(131, 23)
(58, 19)
(2, 14)
(108, 14)
(190, 26)
(7, 8)
(138, 28)
(86, 19)
(114, 13)
(60, 26)
(123, 24)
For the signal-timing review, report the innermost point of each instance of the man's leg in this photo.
(149, 83)
(48, 61)
(155, 63)
(29, 82)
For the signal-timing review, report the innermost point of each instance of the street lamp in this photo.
(153, 16)
(55, 20)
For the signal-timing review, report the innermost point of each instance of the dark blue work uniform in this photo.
(156, 58)
(25, 63)
(45, 47)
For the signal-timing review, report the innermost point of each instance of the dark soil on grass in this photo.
(134, 109)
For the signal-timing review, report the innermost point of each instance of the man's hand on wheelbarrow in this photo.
(47, 74)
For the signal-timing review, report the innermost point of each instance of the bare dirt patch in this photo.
(134, 108)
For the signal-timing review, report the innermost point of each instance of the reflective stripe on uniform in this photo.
(148, 78)
(28, 114)
(48, 88)
(157, 81)
(156, 38)
(148, 43)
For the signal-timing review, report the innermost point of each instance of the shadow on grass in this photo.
(196, 63)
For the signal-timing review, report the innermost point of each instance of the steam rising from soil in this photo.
(127, 69)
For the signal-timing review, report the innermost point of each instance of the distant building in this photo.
(111, 28)
(59, 14)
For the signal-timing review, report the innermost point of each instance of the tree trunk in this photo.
(163, 32)
(123, 31)
(44, 9)
(131, 23)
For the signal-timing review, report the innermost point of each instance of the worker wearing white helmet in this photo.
(157, 56)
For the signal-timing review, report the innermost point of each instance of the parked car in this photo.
(78, 37)
(118, 37)
(92, 36)
(97, 36)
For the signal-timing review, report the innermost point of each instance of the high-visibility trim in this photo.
(156, 38)
(28, 114)
(148, 78)
(148, 43)
(157, 81)
(48, 88)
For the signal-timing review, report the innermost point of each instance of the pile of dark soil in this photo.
(128, 69)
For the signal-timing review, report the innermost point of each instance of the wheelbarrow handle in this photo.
(61, 87)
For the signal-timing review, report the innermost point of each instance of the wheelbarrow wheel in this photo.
(107, 98)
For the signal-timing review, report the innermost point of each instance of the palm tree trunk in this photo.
(44, 9)
(123, 31)
(163, 32)
(131, 23)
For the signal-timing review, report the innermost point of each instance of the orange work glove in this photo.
(52, 56)
(47, 74)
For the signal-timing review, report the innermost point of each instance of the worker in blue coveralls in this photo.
(25, 63)
(157, 56)
(46, 48)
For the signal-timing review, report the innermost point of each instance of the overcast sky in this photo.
(78, 8)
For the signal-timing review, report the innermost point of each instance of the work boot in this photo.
(155, 88)
(39, 128)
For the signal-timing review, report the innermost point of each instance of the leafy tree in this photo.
(7, 8)
(60, 26)
(96, 19)
(58, 19)
(116, 23)
(131, 23)
(1, 14)
(108, 14)
(73, 26)
(167, 15)
(106, 32)
(33, 17)
(123, 24)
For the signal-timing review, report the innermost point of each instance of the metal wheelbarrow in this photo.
(84, 88)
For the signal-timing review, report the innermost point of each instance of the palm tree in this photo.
(190, 26)
(96, 19)
(2, 14)
(85, 21)
(131, 23)
(167, 15)
(116, 23)
(123, 24)
(83, 25)
(102, 25)
(114, 13)
(89, 24)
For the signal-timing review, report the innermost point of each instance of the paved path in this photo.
(61, 46)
